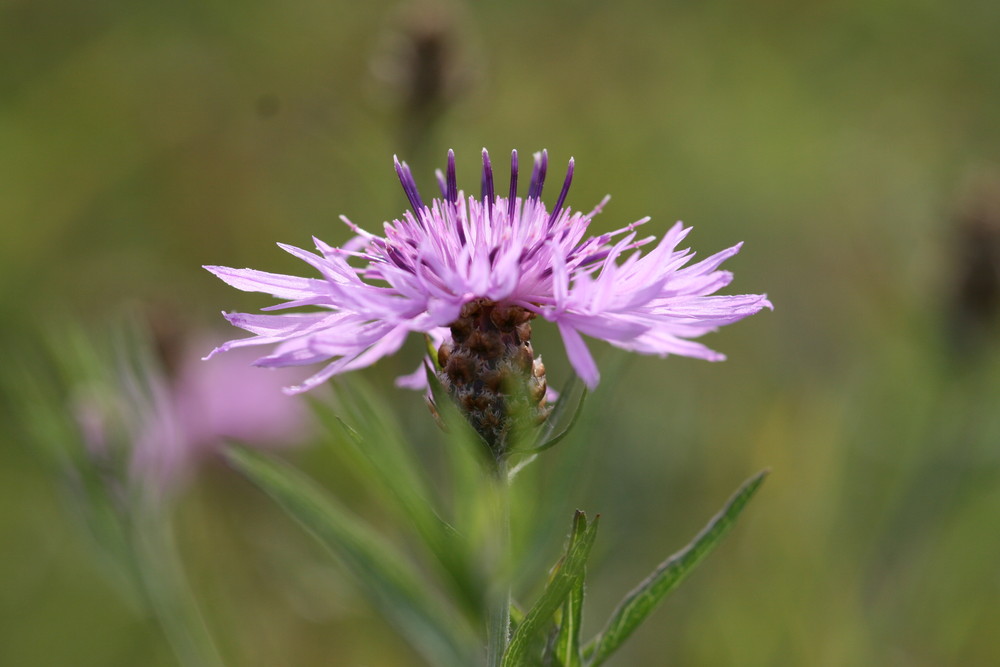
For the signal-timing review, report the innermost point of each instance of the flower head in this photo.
(497, 261)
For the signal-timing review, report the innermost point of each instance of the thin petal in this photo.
(275, 284)
(579, 356)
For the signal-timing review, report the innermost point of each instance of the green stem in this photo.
(498, 614)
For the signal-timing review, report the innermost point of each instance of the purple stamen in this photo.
(487, 189)
(452, 194)
(562, 195)
(398, 259)
(538, 175)
(449, 190)
(409, 186)
(513, 185)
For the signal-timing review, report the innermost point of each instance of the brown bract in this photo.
(489, 369)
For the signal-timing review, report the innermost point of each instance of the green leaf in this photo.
(467, 458)
(572, 397)
(566, 575)
(432, 352)
(376, 448)
(377, 453)
(516, 615)
(544, 439)
(393, 584)
(568, 640)
(566, 643)
(639, 603)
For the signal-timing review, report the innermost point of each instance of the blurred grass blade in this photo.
(639, 603)
(168, 594)
(378, 453)
(467, 458)
(567, 575)
(394, 585)
(379, 450)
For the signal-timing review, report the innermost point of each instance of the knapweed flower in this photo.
(472, 273)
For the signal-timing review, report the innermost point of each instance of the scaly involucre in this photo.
(511, 251)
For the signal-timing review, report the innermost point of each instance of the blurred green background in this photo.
(850, 144)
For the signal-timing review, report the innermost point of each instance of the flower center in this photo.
(490, 371)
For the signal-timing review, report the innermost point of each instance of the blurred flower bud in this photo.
(975, 284)
(422, 66)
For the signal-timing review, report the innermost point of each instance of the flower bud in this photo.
(489, 371)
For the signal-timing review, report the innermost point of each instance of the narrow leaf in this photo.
(567, 574)
(376, 454)
(568, 639)
(516, 615)
(467, 458)
(639, 603)
(567, 400)
(555, 439)
(393, 583)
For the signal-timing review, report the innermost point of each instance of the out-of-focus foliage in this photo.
(141, 140)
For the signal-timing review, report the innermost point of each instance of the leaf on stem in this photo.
(567, 645)
(641, 601)
(570, 403)
(544, 439)
(568, 573)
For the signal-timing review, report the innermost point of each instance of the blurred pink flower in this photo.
(207, 405)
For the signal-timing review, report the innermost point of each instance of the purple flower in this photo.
(428, 268)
